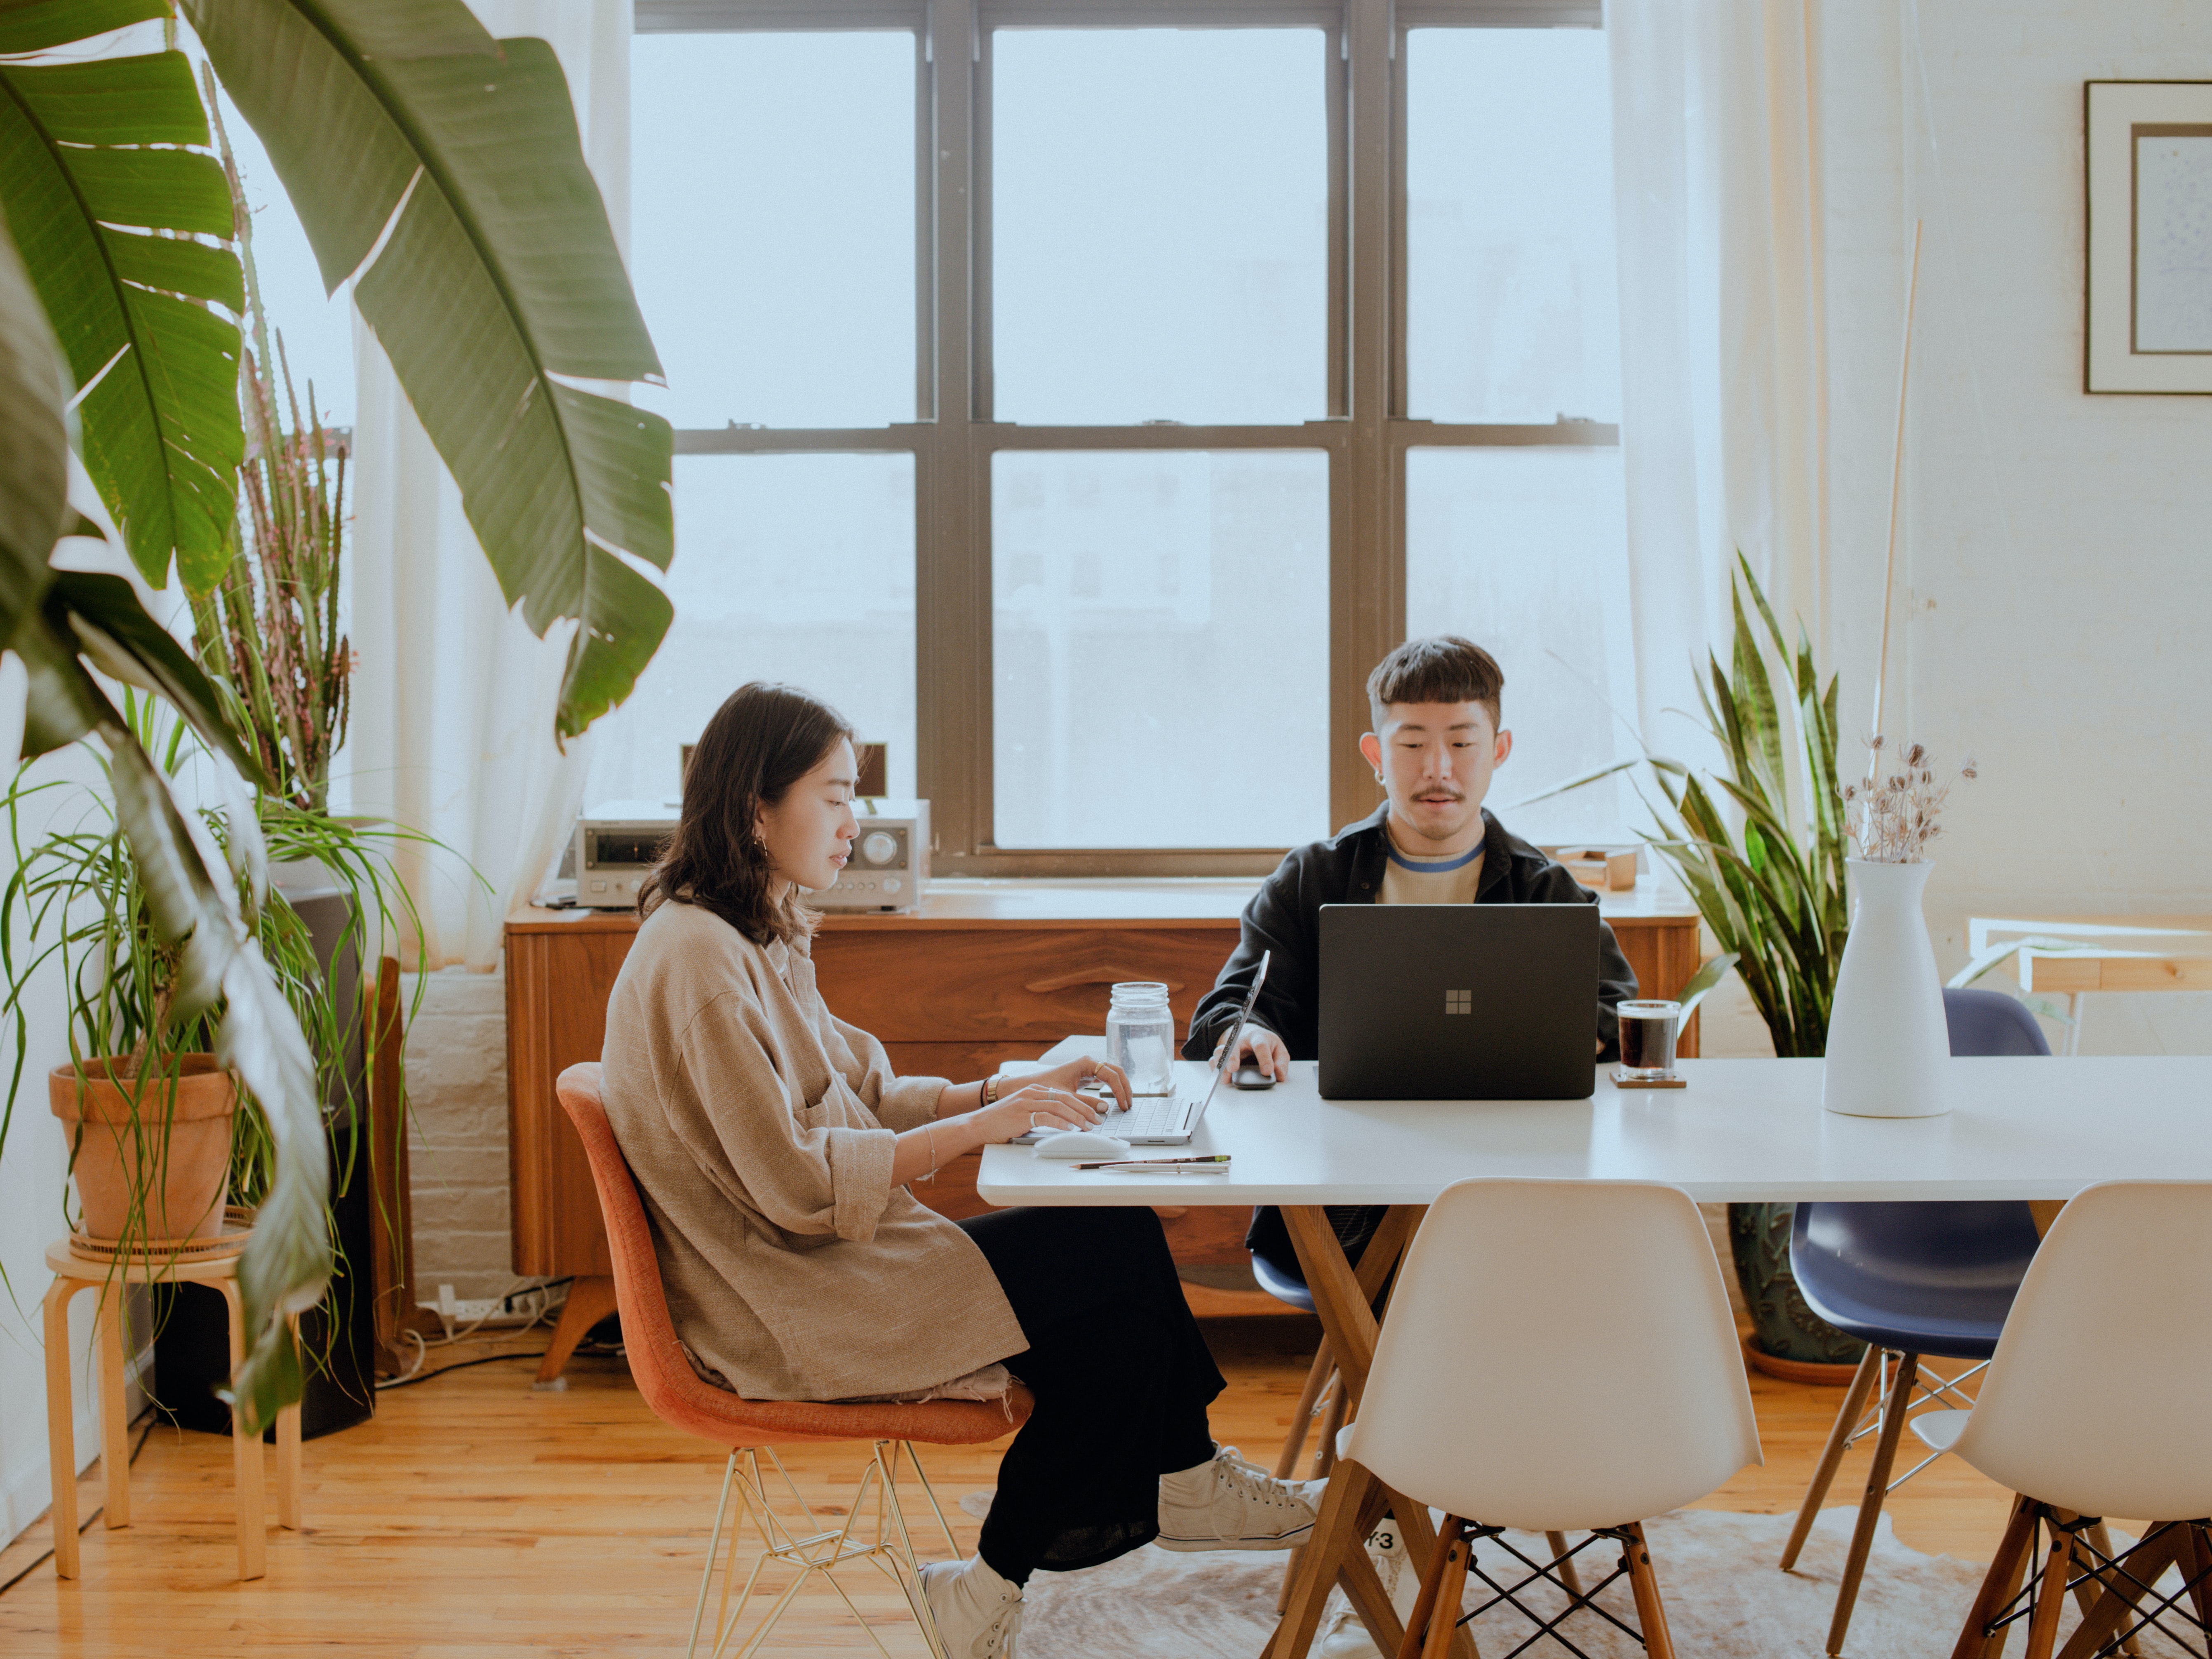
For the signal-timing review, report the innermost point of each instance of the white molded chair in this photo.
(2116, 1309)
(1559, 1357)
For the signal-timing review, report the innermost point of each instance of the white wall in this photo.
(33, 1176)
(2054, 581)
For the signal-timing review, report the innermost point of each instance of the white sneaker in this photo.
(1342, 1635)
(978, 1614)
(1227, 1504)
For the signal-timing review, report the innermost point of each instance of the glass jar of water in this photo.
(1141, 1037)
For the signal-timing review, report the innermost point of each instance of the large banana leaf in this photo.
(93, 162)
(54, 621)
(33, 447)
(408, 138)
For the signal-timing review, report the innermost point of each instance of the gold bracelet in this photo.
(991, 1088)
(929, 1130)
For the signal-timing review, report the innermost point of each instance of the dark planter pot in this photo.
(1782, 1325)
(337, 1336)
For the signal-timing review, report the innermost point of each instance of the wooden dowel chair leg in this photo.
(2086, 1593)
(2119, 1597)
(2051, 1595)
(1451, 1591)
(1416, 1622)
(1999, 1584)
(1650, 1611)
(1877, 1487)
(1568, 1576)
(1839, 1440)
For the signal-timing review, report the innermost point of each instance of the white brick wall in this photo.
(457, 1152)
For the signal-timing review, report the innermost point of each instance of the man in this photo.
(1437, 742)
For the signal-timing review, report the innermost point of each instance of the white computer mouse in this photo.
(1082, 1143)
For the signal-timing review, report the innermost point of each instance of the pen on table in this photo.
(1213, 1159)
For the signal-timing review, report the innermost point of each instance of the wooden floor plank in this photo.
(474, 1518)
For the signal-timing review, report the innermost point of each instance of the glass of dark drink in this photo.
(1647, 1040)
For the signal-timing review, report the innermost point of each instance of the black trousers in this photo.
(1122, 1378)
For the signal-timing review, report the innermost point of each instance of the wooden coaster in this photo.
(1622, 1080)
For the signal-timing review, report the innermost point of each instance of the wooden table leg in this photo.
(1336, 1530)
(114, 1421)
(61, 1429)
(1344, 1300)
(590, 1300)
(244, 1454)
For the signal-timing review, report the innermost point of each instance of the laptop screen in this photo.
(1225, 1060)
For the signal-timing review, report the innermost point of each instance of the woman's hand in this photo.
(1077, 1072)
(1038, 1104)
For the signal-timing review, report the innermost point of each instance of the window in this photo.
(1084, 398)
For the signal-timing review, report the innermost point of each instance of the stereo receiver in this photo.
(618, 840)
(890, 865)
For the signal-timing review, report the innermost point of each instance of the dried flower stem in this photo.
(1894, 817)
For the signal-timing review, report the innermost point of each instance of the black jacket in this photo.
(1284, 917)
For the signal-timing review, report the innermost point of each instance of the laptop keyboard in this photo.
(1148, 1114)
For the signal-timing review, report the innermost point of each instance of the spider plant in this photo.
(78, 900)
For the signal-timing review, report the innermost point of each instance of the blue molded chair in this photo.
(1911, 1280)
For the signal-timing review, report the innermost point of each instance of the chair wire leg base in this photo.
(874, 1530)
(2122, 1600)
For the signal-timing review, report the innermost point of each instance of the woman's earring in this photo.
(1378, 777)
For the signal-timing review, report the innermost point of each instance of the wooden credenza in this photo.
(986, 972)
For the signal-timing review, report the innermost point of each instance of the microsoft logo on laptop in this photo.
(1459, 1002)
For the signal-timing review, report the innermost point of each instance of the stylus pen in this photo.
(1213, 1161)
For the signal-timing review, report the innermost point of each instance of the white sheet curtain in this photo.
(1723, 327)
(451, 730)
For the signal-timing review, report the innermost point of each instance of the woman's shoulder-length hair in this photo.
(763, 739)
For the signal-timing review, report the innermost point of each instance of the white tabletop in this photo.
(1744, 1130)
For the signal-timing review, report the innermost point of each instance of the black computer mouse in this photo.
(1249, 1076)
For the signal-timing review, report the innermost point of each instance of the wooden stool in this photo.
(73, 1273)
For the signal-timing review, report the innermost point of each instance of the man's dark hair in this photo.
(1442, 668)
(761, 740)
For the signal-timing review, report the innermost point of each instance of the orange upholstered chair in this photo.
(753, 1428)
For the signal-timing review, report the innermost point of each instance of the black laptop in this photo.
(1458, 1001)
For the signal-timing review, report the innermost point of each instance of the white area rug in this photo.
(1724, 1597)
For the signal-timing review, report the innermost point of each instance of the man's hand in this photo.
(1266, 1050)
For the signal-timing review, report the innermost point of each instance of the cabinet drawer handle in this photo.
(1097, 976)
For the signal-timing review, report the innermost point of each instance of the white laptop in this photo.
(1171, 1120)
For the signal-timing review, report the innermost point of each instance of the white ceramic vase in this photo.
(1889, 1048)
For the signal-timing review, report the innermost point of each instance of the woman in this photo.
(773, 1147)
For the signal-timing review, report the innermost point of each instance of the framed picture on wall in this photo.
(2149, 289)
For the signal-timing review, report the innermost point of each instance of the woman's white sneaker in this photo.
(978, 1613)
(1227, 1504)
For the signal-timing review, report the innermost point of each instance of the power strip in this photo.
(519, 1307)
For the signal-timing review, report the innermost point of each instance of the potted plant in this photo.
(157, 1119)
(1762, 852)
(568, 490)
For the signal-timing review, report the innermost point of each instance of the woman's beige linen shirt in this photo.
(761, 1129)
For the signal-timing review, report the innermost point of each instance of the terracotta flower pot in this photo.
(172, 1149)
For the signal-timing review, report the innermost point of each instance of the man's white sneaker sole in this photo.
(1289, 1541)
